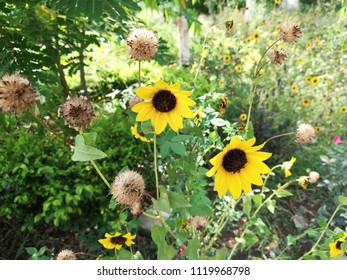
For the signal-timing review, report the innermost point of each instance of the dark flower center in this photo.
(164, 101)
(75, 111)
(234, 160)
(118, 240)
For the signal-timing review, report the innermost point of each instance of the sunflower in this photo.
(238, 166)
(335, 247)
(277, 2)
(308, 44)
(343, 109)
(184, 227)
(318, 129)
(140, 135)
(300, 60)
(294, 88)
(308, 79)
(198, 116)
(243, 117)
(248, 40)
(256, 36)
(315, 81)
(163, 104)
(238, 68)
(305, 102)
(226, 58)
(117, 240)
(287, 165)
(221, 82)
(317, 42)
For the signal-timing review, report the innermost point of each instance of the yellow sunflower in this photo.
(243, 117)
(117, 240)
(184, 227)
(226, 58)
(308, 44)
(318, 129)
(248, 40)
(300, 60)
(256, 36)
(238, 68)
(315, 81)
(277, 2)
(294, 88)
(335, 247)
(238, 166)
(343, 109)
(140, 135)
(308, 79)
(163, 104)
(305, 102)
(198, 116)
(221, 82)
(317, 42)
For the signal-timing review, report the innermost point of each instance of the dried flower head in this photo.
(128, 188)
(17, 94)
(134, 100)
(142, 44)
(137, 208)
(277, 56)
(290, 32)
(305, 133)
(66, 255)
(77, 112)
(198, 222)
(313, 177)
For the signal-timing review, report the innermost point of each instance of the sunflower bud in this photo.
(77, 112)
(17, 94)
(128, 188)
(142, 44)
(277, 56)
(305, 133)
(313, 177)
(66, 255)
(137, 208)
(290, 32)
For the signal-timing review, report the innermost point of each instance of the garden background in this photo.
(50, 201)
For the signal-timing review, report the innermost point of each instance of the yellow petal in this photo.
(252, 175)
(146, 92)
(247, 144)
(211, 171)
(258, 165)
(139, 106)
(246, 185)
(220, 182)
(159, 122)
(235, 186)
(185, 100)
(185, 92)
(261, 156)
(174, 87)
(183, 110)
(146, 112)
(175, 121)
(234, 143)
(218, 159)
(161, 85)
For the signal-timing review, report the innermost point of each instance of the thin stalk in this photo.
(323, 233)
(100, 174)
(278, 136)
(155, 164)
(139, 74)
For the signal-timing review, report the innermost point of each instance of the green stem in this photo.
(255, 213)
(151, 216)
(155, 164)
(322, 234)
(278, 136)
(163, 222)
(100, 174)
(268, 175)
(139, 74)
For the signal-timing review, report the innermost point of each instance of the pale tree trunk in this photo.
(183, 40)
(250, 4)
(291, 4)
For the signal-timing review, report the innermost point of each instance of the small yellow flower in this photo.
(343, 109)
(308, 79)
(315, 81)
(303, 180)
(198, 116)
(287, 165)
(256, 36)
(317, 42)
(221, 82)
(335, 247)
(194, 66)
(300, 60)
(277, 2)
(140, 135)
(117, 240)
(184, 227)
(243, 117)
(238, 68)
(305, 102)
(226, 58)
(318, 129)
(277, 29)
(294, 88)
(308, 44)
(248, 40)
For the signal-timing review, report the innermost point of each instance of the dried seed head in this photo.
(137, 208)
(134, 100)
(313, 177)
(290, 32)
(77, 112)
(128, 188)
(198, 222)
(66, 255)
(277, 56)
(142, 44)
(305, 133)
(17, 94)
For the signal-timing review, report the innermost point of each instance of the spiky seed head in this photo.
(134, 100)
(77, 112)
(142, 44)
(128, 187)
(66, 255)
(290, 32)
(313, 177)
(198, 222)
(277, 56)
(305, 133)
(137, 208)
(17, 94)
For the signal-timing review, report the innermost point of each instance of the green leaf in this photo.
(262, 78)
(83, 152)
(283, 193)
(90, 138)
(250, 131)
(42, 250)
(291, 240)
(177, 200)
(178, 148)
(257, 198)
(158, 234)
(200, 210)
(247, 204)
(343, 200)
(181, 138)
(165, 252)
(344, 246)
(124, 255)
(31, 250)
(192, 249)
(250, 239)
(271, 205)
(221, 254)
(218, 122)
(137, 256)
(163, 203)
(146, 127)
(213, 136)
(165, 149)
